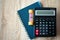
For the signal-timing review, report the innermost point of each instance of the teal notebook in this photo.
(24, 15)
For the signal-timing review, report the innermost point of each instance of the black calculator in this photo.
(45, 22)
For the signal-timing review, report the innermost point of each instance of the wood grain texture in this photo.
(13, 29)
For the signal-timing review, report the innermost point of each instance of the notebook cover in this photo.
(24, 15)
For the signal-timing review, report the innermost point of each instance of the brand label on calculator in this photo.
(45, 22)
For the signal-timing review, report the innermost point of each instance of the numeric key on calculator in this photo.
(45, 27)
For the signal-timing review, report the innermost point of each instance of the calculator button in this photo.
(36, 22)
(49, 22)
(52, 25)
(40, 25)
(46, 22)
(36, 25)
(53, 22)
(46, 33)
(43, 33)
(40, 19)
(53, 33)
(36, 33)
(43, 30)
(46, 25)
(46, 30)
(40, 30)
(43, 22)
(43, 25)
(40, 22)
(49, 25)
(50, 32)
(40, 33)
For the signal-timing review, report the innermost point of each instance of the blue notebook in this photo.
(24, 15)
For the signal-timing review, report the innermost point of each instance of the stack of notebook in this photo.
(24, 15)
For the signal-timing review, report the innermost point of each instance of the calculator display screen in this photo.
(45, 12)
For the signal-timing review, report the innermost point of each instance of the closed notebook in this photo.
(24, 15)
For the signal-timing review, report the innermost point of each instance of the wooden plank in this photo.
(1, 19)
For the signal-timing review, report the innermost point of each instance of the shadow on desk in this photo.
(58, 24)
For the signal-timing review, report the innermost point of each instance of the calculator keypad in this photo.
(45, 26)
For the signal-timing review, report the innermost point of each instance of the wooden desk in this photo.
(12, 28)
